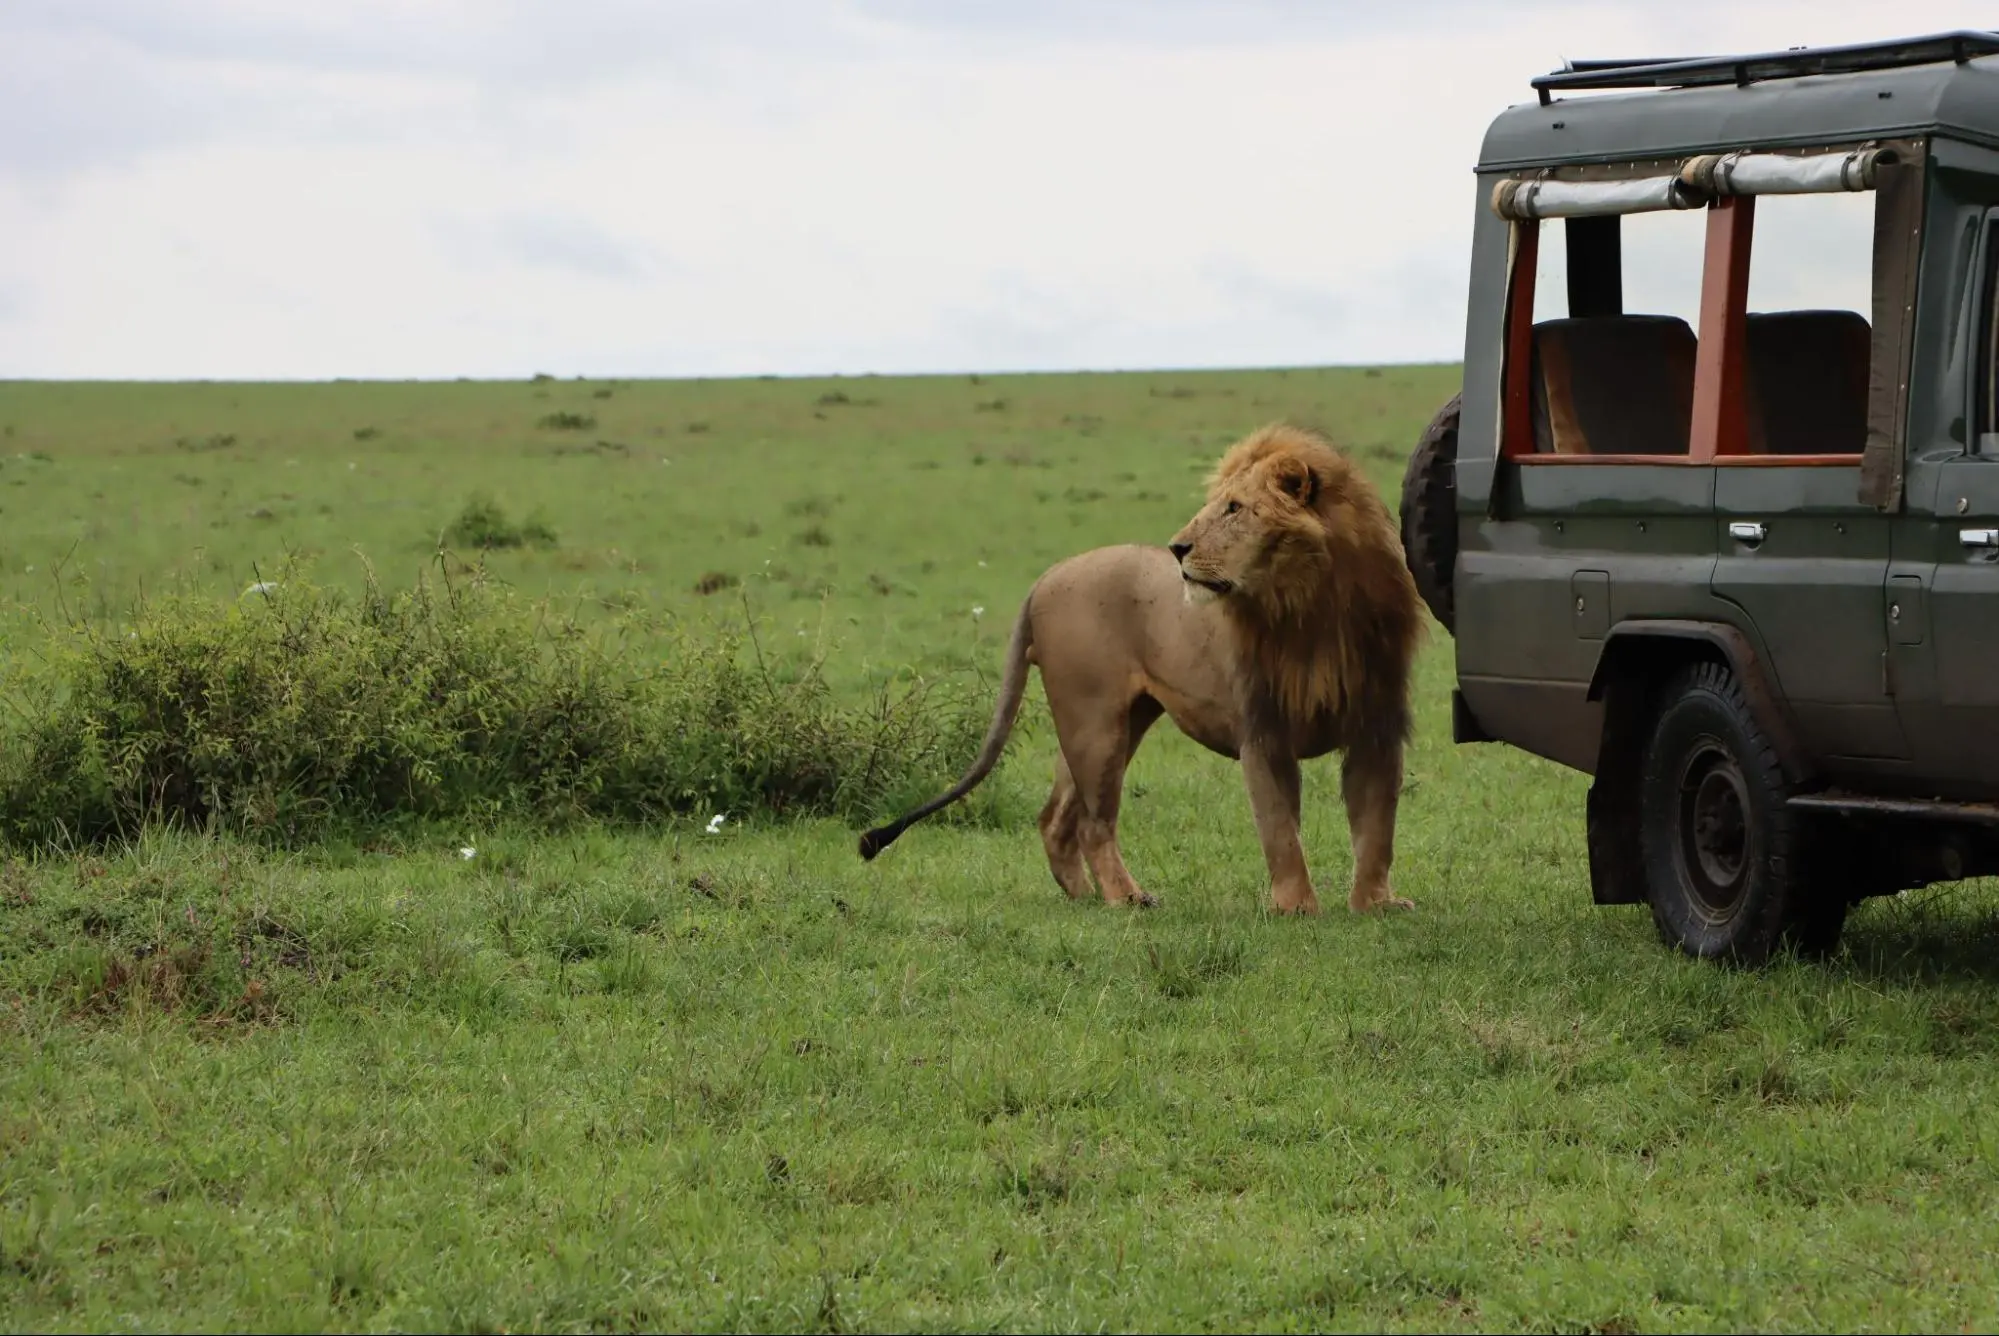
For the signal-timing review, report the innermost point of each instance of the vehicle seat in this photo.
(1613, 385)
(1807, 382)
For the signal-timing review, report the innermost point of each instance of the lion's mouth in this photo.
(1212, 586)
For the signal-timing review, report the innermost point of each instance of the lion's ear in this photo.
(1294, 478)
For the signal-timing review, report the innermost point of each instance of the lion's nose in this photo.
(1179, 550)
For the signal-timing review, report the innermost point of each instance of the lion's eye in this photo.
(1233, 507)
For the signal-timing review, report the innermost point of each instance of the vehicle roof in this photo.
(1960, 99)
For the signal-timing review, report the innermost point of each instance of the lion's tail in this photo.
(1013, 686)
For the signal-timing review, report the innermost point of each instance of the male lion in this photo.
(1279, 625)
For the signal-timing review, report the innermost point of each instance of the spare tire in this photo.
(1430, 511)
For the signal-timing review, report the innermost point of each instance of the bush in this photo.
(714, 582)
(293, 714)
(484, 525)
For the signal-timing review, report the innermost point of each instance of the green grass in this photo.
(608, 1079)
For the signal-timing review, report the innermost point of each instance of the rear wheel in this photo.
(1719, 845)
(1430, 512)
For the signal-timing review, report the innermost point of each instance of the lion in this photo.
(1279, 625)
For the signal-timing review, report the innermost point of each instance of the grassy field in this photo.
(610, 1079)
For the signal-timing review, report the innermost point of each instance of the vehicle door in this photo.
(1799, 552)
(1597, 513)
(1944, 586)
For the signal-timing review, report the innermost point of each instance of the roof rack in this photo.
(1957, 47)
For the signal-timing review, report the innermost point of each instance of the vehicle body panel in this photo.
(1877, 629)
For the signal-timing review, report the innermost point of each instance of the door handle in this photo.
(1750, 532)
(1978, 537)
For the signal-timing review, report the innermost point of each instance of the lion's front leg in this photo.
(1371, 784)
(1274, 796)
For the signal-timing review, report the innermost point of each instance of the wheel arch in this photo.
(1648, 651)
(1637, 659)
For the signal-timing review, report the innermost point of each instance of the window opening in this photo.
(1612, 344)
(1808, 338)
(1617, 307)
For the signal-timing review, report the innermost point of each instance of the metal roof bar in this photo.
(1596, 66)
(1936, 49)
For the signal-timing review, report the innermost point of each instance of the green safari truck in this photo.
(1739, 565)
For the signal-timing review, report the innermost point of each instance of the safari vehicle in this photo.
(1740, 565)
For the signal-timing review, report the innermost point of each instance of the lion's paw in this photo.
(1308, 907)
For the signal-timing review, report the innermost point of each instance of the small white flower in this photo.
(982, 563)
(715, 823)
(261, 587)
(350, 468)
(978, 611)
(467, 851)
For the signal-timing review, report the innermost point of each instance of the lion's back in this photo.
(1108, 589)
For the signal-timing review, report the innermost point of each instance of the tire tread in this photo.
(1783, 913)
(1430, 515)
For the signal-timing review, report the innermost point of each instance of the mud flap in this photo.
(1616, 876)
(1465, 726)
(1616, 869)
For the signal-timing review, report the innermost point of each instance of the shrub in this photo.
(301, 712)
(484, 524)
(714, 582)
(567, 421)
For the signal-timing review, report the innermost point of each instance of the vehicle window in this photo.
(1616, 323)
(1551, 280)
(1807, 336)
(1662, 264)
(1652, 259)
(1616, 301)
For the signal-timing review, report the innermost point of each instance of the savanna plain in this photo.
(490, 1070)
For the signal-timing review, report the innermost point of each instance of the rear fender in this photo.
(1647, 651)
(1636, 661)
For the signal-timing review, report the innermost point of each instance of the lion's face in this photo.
(1257, 525)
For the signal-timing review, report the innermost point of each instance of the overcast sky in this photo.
(429, 188)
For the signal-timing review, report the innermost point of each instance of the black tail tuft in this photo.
(879, 839)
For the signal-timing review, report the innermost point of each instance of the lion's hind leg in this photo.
(1097, 751)
(1060, 836)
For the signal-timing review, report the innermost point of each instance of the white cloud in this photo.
(441, 187)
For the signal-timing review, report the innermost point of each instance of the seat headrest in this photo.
(1613, 385)
(1807, 382)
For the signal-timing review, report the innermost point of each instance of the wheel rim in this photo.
(1714, 833)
